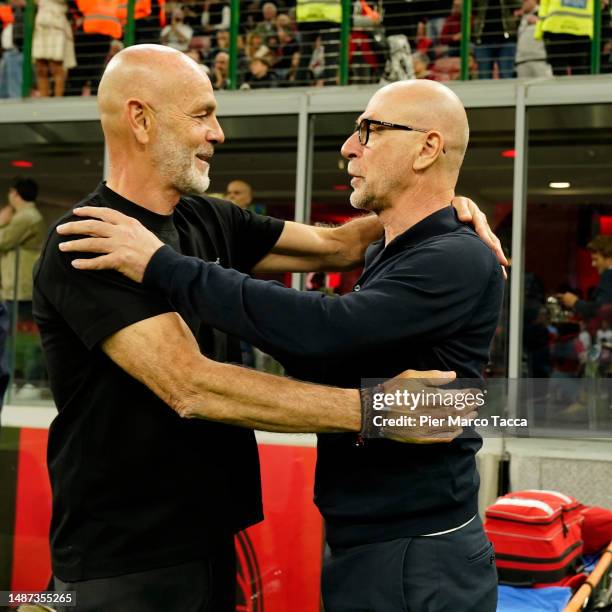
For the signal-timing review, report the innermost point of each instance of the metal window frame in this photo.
(307, 103)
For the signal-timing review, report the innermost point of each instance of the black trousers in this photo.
(454, 572)
(208, 585)
(565, 51)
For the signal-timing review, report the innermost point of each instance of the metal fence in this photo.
(248, 46)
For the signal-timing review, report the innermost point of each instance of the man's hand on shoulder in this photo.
(124, 243)
(468, 212)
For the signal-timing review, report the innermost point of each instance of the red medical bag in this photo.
(536, 535)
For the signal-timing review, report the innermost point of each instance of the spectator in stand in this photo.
(177, 34)
(436, 16)
(495, 27)
(250, 16)
(255, 47)
(318, 22)
(316, 66)
(450, 35)
(364, 62)
(52, 47)
(530, 53)
(91, 50)
(215, 16)
(267, 27)
(260, 76)
(272, 43)
(147, 30)
(566, 28)
(192, 14)
(195, 55)
(283, 20)
(203, 45)
(420, 62)
(220, 75)
(222, 40)
(11, 64)
(288, 57)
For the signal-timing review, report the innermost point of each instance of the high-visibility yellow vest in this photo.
(100, 17)
(573, 17)
(319, 10)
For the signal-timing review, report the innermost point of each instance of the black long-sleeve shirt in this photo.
(428, 300)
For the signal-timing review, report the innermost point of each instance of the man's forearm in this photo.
(305, 248)
(239, 396)
(195, 386)
(353, 239)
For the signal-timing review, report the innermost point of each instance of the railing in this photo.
(376, 41)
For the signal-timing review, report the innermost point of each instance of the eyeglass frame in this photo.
(387, 125)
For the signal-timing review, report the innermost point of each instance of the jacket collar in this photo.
(442, 221)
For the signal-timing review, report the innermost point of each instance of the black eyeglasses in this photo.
(363, 128)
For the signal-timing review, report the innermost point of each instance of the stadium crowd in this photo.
(284, 44)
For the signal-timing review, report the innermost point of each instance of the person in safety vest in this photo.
(319, 18)
(566, 26)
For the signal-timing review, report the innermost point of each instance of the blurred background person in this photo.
(255, 47)
(222, 41)
(566, 28)
(318, 22)
(260, 76)
(52, 47)
(177, 34)
(494, 32)
(450, 34)
(287, 56)
(601, 259)
(530, 58)
(240, 193)
(215, 16)
(220, 71)
(203, 46)
(267, 26)
(22, 233)
(11, 41)
(363, 59)
(436, 15)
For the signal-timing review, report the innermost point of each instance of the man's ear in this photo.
(140, 120)
(430, 151)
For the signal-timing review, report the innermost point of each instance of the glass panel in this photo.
(256, 168)
(567, 312)
(487, 177)
(66, 162)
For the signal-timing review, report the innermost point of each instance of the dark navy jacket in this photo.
(430, 300)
